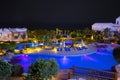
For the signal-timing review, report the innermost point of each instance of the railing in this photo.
(90, 74)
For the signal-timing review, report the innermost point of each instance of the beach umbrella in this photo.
(82, 43)
(64, 45)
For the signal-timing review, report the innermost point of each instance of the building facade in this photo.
(118, 20)
(111, 26)
(13, 34)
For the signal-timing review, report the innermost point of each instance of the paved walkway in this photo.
(91, 48)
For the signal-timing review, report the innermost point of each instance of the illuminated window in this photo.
(7, 35)
(15, 35)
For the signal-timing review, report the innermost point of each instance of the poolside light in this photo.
(2, 53)
(35, 41)
(54, 50)
(38, 49)
(92, 37)
(64, 57)
(17, 51)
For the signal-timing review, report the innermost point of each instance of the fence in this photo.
(90, 74)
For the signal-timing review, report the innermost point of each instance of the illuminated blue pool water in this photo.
(22, 45)
(102, 60)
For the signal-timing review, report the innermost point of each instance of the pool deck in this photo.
(73, 51)
(91, 48)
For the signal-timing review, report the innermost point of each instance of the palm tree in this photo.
(106, 32)
(92, 33)
(57, 38)
(98, 36)
(73, 34)
(85, 32)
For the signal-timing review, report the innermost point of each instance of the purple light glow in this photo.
(101, 53)
(89, 58)
(64, 58)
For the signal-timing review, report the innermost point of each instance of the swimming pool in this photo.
(22, 45)
(101, 60)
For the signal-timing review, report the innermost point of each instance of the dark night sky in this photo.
(38, 13)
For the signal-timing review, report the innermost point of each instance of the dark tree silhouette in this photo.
(116, 54)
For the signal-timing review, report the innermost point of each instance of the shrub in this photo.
(42, 69)
(118, 42)
(17, 70)
(116, 54)
(53, 67)
(5, 69)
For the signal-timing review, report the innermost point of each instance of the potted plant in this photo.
(42, 70)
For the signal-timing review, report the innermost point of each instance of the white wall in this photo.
(102, 26)
(118, 20)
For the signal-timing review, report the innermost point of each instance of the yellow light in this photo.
(1, 42)
(35, 41)
(54, 50)
(31, 50)
(79, 45)
(92, 37)
(2, 52)
(17, 51)
(37, 49)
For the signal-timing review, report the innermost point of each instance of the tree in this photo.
(11, 46)
(107, 32)
(98, 36)
(5, 70)
(57, 38)
(53, 67)
(42, 69)
(116, 54)
(73, 34)
(118, 42)
(86, 31)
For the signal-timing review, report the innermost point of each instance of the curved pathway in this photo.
(91, 48)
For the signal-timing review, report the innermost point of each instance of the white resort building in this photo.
(13, 34)
(111, 26)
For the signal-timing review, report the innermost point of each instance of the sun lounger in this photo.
(59, 49)
(67, 49)
(78, 48)
(83, 47)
